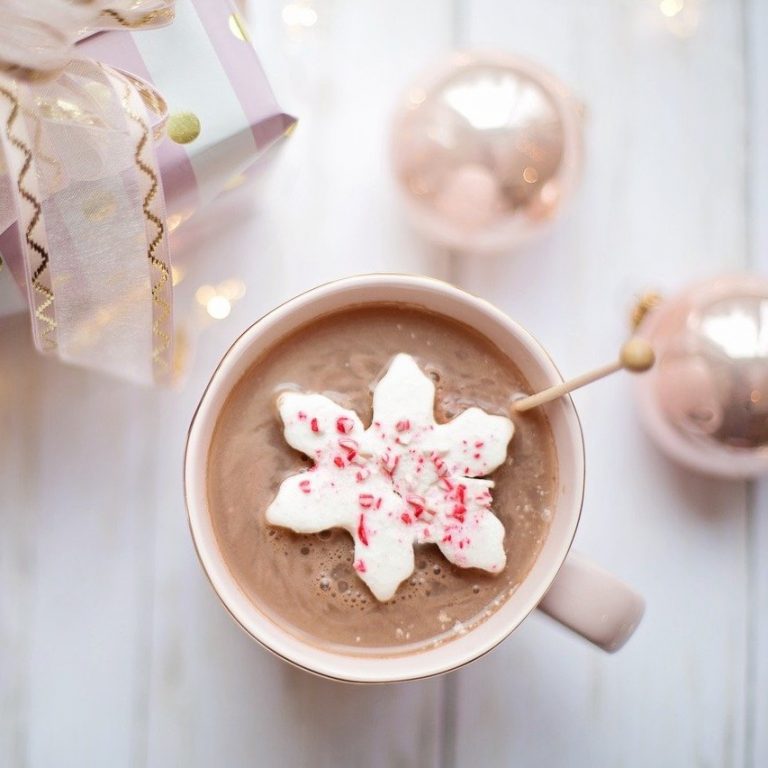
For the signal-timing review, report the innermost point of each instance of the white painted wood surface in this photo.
(113, 649)
(756, 35)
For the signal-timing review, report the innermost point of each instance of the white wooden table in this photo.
(114, 650)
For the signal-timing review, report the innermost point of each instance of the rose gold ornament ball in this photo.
(486, 148)
(706, 400)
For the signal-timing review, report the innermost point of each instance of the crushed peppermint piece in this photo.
(344, 425)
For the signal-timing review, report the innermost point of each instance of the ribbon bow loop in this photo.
(79, 174)
(37, 38)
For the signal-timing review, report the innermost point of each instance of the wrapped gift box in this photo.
(223, 115)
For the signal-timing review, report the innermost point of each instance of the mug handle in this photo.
(593, 603)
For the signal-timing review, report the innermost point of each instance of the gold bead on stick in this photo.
(637, 355)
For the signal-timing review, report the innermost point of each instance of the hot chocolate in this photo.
(309, 583)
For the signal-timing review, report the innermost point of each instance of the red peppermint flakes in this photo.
(401, 456)
(440, 466)
(344, 425)
(350, 446)
(389, 463)
(416, 503)
(362, 534)
(458, 513)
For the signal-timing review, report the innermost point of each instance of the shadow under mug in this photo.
(561, 583)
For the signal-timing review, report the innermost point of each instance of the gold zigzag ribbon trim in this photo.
(152, 17)
(162, 272)
(48, 323)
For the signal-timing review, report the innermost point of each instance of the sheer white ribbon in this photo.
(78, 172)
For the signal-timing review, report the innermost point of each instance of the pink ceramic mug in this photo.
(566, 586)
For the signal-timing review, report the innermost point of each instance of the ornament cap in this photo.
(646, 302)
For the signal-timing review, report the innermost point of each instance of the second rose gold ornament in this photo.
(706, 402)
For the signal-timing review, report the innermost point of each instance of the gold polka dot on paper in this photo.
(237, 27)
(183, 127)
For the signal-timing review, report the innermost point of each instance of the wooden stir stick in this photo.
(636, 356)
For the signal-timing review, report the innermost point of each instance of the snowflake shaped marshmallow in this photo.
(405, 480)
